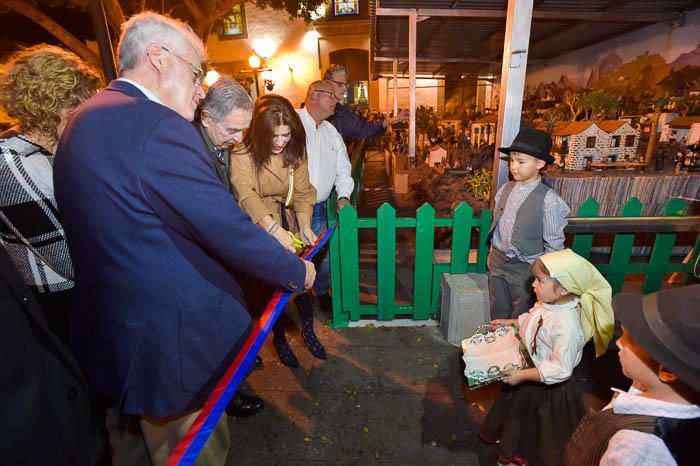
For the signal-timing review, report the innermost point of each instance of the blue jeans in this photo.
(319, 224)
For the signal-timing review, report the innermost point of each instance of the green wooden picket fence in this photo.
(467, 229)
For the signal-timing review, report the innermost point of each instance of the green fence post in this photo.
(349, 262)
(482, 251)
(340, 316)
(386, 262)
(461, 237)
(583, 242)
(423, 266)
(622, 246)
(663, 247)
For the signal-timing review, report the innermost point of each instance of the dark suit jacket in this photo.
(47, 417)
(351, 125)
(155, 237)
(220, 158)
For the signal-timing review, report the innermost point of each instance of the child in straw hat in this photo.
(539, 407)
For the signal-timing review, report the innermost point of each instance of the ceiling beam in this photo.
(439, 60)
(567, 27)
(485, 61)
(426, 43)
(591, 16)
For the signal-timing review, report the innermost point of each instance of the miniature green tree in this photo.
(598, 105)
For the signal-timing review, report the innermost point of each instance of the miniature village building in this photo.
(624, 140)
(581, 143)
(664, 119)
(682, 129)
(484, 130)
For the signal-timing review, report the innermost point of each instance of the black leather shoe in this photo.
(242, 405)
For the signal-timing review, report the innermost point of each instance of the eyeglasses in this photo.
(332, 94)
(197, 71)
(339, 83)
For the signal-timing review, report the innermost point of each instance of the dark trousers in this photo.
(510, 286)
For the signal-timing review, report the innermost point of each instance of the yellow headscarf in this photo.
(581, 278)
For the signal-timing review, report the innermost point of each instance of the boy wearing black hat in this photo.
(657, 421)
(529, 220)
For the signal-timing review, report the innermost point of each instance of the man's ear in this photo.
(666, 376)
(156, 57)
(205, 118)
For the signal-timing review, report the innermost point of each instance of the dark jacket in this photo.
(350, 125)
(47, 416)
(220, 158)
(155, 237)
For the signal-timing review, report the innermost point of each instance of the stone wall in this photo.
(576, 157)
(623, 152)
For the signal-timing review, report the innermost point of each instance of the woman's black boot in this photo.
(304, 303)
(284, 351)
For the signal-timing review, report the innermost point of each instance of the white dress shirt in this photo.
(634, 448)
(560, 340)
(146, 91)
(328, 158)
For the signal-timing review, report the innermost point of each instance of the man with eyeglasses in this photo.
(224, 115)
(329, 166)
(155, 238)
(349, 124)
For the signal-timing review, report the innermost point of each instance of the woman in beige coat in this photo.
(271, 183)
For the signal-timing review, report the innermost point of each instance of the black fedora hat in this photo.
(667, 325)
(531, 142)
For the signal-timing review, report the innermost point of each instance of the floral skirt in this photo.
(533, 421)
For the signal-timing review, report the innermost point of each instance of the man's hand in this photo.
(342, 202)
(310, 275)
(402, 116)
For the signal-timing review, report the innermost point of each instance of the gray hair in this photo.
(143, 29)
(225, 95)
(333, 69)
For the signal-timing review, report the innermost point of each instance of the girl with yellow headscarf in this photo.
(539, 407)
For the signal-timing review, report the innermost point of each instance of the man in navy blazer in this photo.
(155, 238)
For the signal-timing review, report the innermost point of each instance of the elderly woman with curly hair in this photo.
(39, 89)
(270, 178)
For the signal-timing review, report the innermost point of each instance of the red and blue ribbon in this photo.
(191, 444)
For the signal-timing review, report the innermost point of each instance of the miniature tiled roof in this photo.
(488, 119)
(610, 126)
(567, 128)
(684, 122)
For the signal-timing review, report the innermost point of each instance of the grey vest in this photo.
(528, 229)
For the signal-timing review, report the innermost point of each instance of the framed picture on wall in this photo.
(346, 7)
(232, 25)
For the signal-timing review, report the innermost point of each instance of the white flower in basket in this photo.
(488, 352)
